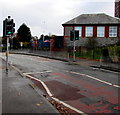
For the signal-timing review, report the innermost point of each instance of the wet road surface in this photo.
(82, 88)
(19, 97)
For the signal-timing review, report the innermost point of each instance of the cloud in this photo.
(47, 16)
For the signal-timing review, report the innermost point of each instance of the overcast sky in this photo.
(47, 16)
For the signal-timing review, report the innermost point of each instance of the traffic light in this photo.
(8, 27)
(4, 27)
(71, 35)
(76, 34)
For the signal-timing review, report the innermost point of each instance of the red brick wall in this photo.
(106, 31)
(83, 31)
(95, 31)
(117, 9)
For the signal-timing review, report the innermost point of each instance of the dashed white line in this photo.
(95, 79)
(105, 70)
(37, 72)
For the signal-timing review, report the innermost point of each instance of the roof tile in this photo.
(94, 19)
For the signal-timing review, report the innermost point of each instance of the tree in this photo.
(24, 33)
(15, 44)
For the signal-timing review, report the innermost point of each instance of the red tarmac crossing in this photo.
(81, 94)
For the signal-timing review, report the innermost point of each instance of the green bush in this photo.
(118, 51)
(88, 53)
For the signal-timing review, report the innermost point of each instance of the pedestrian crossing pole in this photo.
(8, 30)
(74, 35)
(7, 53)
(74, 47)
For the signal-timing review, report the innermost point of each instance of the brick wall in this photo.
(82, 41)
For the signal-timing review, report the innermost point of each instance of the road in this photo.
(80, 88)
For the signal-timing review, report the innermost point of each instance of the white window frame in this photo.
(89, 31)
(80, 30)
(112, 31)
(100, 31)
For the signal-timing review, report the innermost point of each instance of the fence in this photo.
(81, 53)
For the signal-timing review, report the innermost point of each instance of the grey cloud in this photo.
(48, 15)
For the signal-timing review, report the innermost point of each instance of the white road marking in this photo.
(116, 86)
(44, 85)
(50, 94)
(95, 79)
(69, 106)
(37, 72)
(105, 70)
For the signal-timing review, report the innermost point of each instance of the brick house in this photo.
(117, 8)
(102, 27)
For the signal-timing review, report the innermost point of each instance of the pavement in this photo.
(80, 61)
(18, 95)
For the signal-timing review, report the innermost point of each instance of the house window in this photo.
(89, 31)
(80, 30)
(100, 31)
(113, 31)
